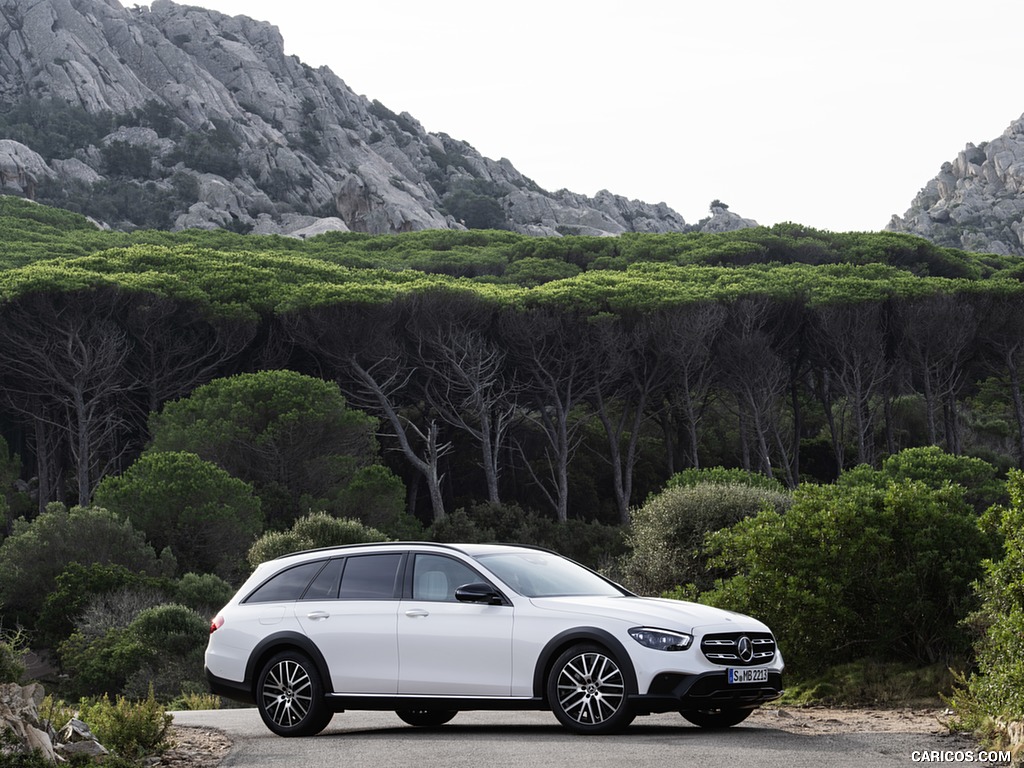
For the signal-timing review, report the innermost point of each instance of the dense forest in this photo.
(570, 375)
(824, 430)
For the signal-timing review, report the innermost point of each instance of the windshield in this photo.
(542, 574)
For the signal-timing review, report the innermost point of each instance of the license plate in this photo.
(748, 676)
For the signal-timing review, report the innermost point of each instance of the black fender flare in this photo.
(576, 636)
(280, 641)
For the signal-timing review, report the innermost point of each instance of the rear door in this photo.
(350, 611)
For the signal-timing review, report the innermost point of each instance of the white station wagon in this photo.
(427, 630)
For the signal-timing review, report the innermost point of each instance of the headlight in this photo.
(660, 639)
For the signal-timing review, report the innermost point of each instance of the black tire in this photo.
(587, 690)
(290, 696)
(426, 718)
(716, 718)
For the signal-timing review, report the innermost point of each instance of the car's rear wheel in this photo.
(426, 718)
(290, 696)
(587, 691)
(716, 718)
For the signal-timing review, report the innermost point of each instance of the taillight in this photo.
(217, 623)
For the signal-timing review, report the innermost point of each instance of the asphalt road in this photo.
(536, 740)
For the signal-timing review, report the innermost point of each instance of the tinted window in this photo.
(370, 577)
(325, 585)
(436, 578)
(287, 585)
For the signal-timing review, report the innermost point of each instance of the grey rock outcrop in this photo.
(21, 169)
(241, 135)
(724, 220)
(19, 714)
(977, 200)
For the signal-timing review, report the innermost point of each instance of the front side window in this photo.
(435, 578)
(370, 577)
(543, 574)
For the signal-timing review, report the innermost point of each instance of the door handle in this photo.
(317, 615)
(417, 613)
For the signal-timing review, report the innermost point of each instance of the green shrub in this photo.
(723, 476)
(374, 495)
(855, 570)
(13, 646)
(77, 587)
(192, 702)
(666, 539)
(160, 650)
(934, 467)
(203, 593)
(318, 529)
(37, 552)
(207, 517)
(995, 692)
(127, 728)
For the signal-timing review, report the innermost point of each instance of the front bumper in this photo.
(711, 690)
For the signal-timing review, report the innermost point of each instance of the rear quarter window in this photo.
(286, 585)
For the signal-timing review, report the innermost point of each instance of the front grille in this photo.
(730, 650)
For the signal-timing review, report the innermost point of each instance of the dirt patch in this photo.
(194, 748)
(816, 720)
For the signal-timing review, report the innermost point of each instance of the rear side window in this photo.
(325, 585)
(287, 585)
(370, 577)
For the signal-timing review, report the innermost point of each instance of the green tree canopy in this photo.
(293, 437)
(204, 515)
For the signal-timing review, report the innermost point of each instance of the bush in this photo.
(723, 476)
(76, 589)
(203, 593)
(314, 530)
(13, 646)
(934, 467)
(208, 518)
(996, 690)
(160, 650)
(374, 495)
(129, 729)
(855, 570)
(37, 552)
(666, 540)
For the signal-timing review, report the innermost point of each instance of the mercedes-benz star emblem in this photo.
(746, 649)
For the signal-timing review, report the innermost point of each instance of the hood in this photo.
(653, 612)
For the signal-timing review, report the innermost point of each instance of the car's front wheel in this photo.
(587, 691)
(716, 718)
(426, 718)
(290, 696)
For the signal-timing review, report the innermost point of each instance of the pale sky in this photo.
(832, 115)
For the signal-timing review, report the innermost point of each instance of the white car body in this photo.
(427, 653)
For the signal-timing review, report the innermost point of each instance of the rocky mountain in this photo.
(977, 200)
(178, 117)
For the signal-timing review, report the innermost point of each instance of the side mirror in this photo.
(478, 593)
